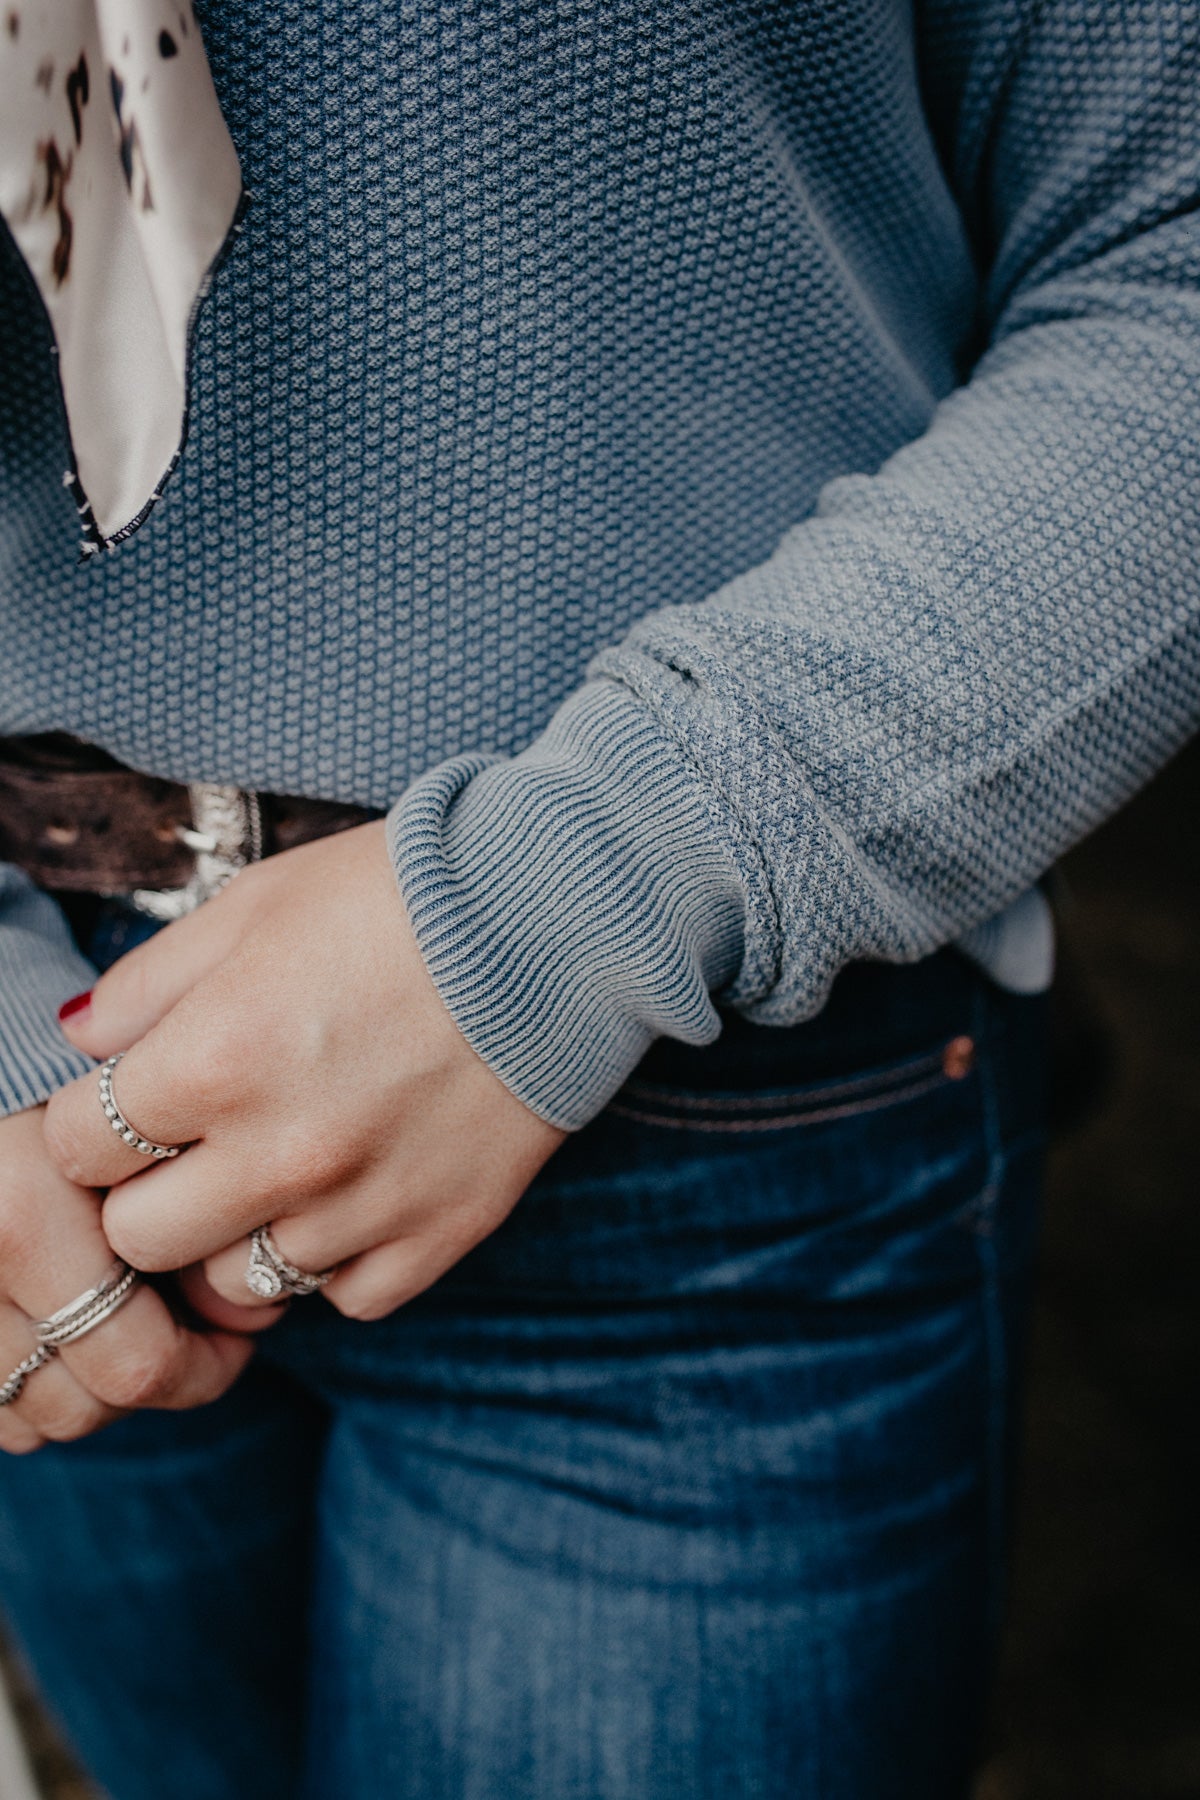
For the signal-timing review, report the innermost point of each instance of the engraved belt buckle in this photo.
(225, 835)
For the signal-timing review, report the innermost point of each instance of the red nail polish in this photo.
(76, 1004)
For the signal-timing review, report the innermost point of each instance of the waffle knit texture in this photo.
(726, 475)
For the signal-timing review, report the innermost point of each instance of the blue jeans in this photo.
(688, 1484)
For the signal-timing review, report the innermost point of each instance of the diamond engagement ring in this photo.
(72, 1321)
(268, 1274)
(120, 1123)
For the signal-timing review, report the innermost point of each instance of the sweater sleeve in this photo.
(39, 969)
(872, 743)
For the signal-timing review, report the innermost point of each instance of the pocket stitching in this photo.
(877, 1080)
(812, 1115)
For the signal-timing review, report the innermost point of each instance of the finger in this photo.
(313, 1241)
(83, 1140)
(183, 1212)
(223, 1187)
(140, 1355)
(51, 1405)
(143, 985)
(212, 1306)
(375, 1284)
(202, 1066)
(55, 1404)
(17, 1435)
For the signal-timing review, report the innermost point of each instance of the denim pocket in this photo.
(781, 1190)
(809, 1104)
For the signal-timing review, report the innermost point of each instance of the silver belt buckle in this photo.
(225, 835)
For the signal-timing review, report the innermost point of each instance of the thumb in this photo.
(143, 986)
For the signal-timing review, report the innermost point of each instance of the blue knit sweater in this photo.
(726, 473)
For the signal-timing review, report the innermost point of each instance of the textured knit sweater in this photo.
(725, 474)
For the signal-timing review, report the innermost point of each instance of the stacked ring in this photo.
(269, 1274)
(89, 1310)
(72, 1321)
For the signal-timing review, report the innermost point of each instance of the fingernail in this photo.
(76, 1004)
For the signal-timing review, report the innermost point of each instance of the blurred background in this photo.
(1098, 1696)
(1098, 1692)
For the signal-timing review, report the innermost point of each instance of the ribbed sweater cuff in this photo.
(571, 903)
(39, 969)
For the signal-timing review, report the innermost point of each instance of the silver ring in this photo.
(90, 1309)
(72, 1321)
(10, 1389)
(268, 1274)
(120, 1123)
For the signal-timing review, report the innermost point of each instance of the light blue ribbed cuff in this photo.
(1016, 948)
(39, 969)
(571, 903)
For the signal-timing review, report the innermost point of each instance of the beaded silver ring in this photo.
(120, 1123)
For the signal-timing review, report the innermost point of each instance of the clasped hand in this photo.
(289, 1033)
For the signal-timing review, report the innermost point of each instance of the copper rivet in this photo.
(61, 835)
(958, 1058)
(166, 831)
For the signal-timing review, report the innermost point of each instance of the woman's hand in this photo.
(52, 1249)
(289, 1033)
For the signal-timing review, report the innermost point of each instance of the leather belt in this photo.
(78, 821)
